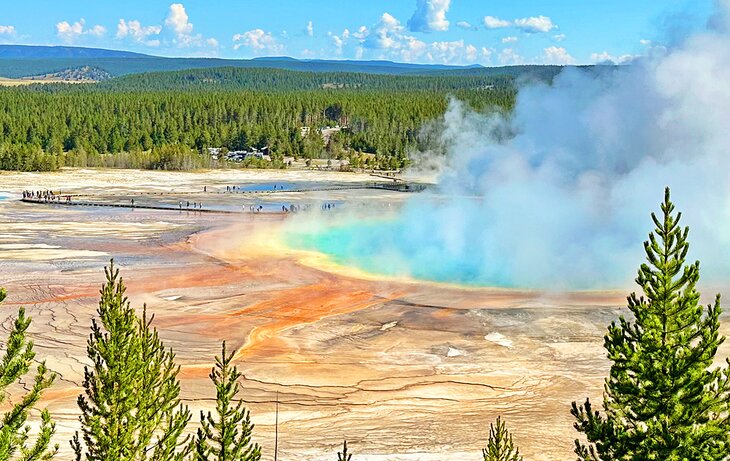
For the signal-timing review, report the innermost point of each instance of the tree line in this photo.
(41, 126)
(665, 397)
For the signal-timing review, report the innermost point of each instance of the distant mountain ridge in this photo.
(17, 61)
(52, 52)
(21, 61)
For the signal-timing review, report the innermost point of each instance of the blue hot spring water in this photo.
(409, 244)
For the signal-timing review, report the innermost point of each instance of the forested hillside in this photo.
(48, 126)
(234, 78)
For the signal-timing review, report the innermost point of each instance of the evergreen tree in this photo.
(344, 456)
(500, 446)
(131, 406)
(226, 437)
(663, 398)
(16, 361)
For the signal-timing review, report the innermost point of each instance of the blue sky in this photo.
(489, 32)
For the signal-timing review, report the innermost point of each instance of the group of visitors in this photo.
(195, 205)
(45, 196)
(293, 208)
(239, 189)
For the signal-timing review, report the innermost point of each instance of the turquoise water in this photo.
(473, 243)
(401, 246)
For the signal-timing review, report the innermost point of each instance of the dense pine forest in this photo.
(168, 119)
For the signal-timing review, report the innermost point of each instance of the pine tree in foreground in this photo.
(664, 399)
(130, 409)
(500, 446)
(16, 361)
(226, 437)
(344, 456)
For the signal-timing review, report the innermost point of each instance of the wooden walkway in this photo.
(129, 205)
(395, 187)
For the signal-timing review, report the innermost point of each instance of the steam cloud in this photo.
(564, 203)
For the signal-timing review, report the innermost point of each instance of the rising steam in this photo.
(564, 202)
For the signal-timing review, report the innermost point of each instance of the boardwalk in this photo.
(125, 205)
(88, 200)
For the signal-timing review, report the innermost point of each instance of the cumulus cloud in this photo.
(178, 20)
(339, 41)
(135, 31)
(388, 39)
(557, 55)
(7, 30)
(509, 57)
(607, 58)
(178, 23)
(464, 25)
(510, 39)
(535, 24)
(386, 34)
(451, 52)
(310, 29)
(559, 37)
(430, 15)
(491, 22)
(71, 32)
(258, 41)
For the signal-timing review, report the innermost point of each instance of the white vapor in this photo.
(567, 200)
(564, 203)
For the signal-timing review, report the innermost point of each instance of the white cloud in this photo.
(258, 41)
(430, 16)
(178, 22)
(535, 24)
(645, 42)
(70, 32)
(607, 58)
(491, 22)
(464, 25)
(559, 37)
(385, 35)
(557, 55)
(7, 30)
(388, 39)
(310, 29)
(510, 39)
(339, 41)
(135, 31)
(361, 33)
(509, 57)
(97, 31)
(455, 52)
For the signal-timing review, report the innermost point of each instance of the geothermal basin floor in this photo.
(403, 370)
